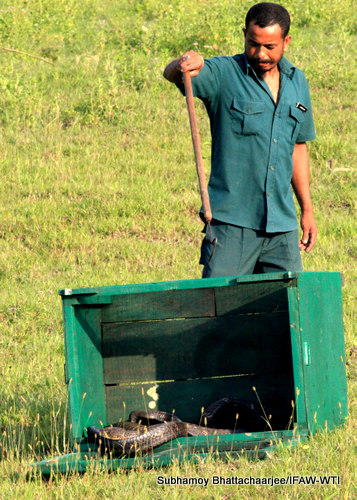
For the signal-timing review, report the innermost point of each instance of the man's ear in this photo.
(244, 31)
(286, 43)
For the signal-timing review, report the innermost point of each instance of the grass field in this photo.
(99, 188)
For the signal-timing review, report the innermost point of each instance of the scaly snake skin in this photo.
(128, 438)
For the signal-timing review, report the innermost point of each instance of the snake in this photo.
(129, 438)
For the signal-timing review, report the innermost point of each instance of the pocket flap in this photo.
(296, 113)
(248, 107)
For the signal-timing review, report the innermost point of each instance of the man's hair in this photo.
(267, 14)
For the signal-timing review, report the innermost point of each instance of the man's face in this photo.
(264, 47)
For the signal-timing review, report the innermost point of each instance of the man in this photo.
(260, 116)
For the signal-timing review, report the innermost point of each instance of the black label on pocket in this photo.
(301, 107)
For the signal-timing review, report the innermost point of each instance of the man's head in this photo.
(266, 35)
(267, 14)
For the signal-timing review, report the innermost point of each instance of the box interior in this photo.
(181, 350)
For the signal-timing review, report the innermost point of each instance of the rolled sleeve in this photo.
(206, 85)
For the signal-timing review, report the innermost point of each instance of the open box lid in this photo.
(253, 446)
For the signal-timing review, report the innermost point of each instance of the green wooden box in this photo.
(275, 340)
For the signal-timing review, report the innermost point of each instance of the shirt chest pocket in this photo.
(294, 121)
(247, 116)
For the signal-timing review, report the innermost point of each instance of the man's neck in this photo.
(272, 79)
(272, 75)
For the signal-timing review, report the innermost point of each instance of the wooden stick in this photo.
(197, 147)
(27, 54)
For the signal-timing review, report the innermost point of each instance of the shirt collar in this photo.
(284, 66)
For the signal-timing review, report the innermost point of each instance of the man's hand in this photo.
(309, 231)
(189, 61)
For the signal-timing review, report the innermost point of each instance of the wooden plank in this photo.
(322, 336)
(255, 297)
(84, 368)
(296, 351)
(195, 348)
(186, 398)
(161, 305)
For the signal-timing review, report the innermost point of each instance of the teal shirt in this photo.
(253, 140)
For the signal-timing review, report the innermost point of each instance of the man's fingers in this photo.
(190, 61)
(307, 242)
(305, 237)
(194, 73)
(309, 232)
(311, 242)
(185, 62)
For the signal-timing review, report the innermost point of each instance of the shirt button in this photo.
(268, 194)
(275, 140)
(271, 167)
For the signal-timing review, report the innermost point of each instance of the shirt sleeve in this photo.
(307, 128)
(206, 85)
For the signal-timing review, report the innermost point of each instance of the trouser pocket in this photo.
(207, 250)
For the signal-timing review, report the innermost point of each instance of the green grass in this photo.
(99, 188)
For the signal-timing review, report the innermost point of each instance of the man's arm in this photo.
(301, 185)
(189, 61)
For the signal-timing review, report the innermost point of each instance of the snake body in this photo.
(128, 438)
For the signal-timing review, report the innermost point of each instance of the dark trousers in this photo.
(241, 250)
